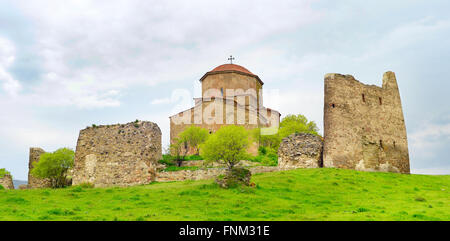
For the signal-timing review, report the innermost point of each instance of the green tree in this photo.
(270, 141)
(194, 136)
(54, 166)
(228, 145)
(297, 124)
(177, 151)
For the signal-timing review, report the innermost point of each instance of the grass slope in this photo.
(312, 194)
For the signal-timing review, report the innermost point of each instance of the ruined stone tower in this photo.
(364, 128)
(35, 182)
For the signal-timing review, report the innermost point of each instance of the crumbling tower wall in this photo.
(364, 127)
(6, 181)
(35, 182)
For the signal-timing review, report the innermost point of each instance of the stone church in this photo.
(231, 95)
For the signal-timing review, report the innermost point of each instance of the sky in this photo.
(65, 65)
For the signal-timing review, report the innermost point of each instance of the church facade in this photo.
(231, 95)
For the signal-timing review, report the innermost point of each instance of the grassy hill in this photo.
(312, 194)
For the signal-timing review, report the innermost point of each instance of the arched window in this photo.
(379, 98)
(363, 98)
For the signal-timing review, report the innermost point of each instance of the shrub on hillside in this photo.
(269, 138)
(229, 146)
(262, 150)
(167, 159)
(177, 151)
(4, 172)
(170, 161)
(267, 157)
(235, 177)
(194, 158)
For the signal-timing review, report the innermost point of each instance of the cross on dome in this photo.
(231, 58)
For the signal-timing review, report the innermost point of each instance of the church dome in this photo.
(231, 67)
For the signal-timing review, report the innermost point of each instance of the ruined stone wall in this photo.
(300, 150)
(7, 182)
(35, 182)
(117, 155)
(211, 173)
(364, 127)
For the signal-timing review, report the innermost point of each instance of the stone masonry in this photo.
(364, 128)
(35, 182)
(300, 150)
(7, 182)
(117, 155)
(208, 173)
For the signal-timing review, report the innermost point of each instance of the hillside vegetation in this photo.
(312, 194)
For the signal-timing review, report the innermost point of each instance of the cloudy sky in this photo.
(65, 65)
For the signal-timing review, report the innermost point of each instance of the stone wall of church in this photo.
(364, 127)
(117, 155)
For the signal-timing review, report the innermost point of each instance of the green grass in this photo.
(312, 194)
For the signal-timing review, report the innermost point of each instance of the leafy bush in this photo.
(228, 145)
(271, 138)
(268, 161)
(4, 172)
(194, 158)
(194, 136)
(265, 140)
(1, 187)
(177, 151)
(267, 157)
(235, 177)
(297, 124)
(170, 161)
(167, 160)
(54, 166)
(262, 150)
